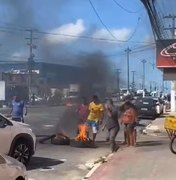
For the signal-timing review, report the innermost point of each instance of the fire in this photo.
(83, 130)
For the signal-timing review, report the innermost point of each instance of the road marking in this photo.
(64, 160)
(48, 125)
(31, 179)
(97, 165)
(47, 169)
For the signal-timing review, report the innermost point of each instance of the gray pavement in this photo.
(150, 160)
(62, 162)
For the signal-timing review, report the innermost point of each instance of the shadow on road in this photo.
(149, 143)
(43, 163)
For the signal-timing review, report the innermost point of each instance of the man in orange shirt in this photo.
(95, 116)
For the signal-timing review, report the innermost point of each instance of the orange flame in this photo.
(82, 136)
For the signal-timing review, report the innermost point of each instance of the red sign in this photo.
(166, 53)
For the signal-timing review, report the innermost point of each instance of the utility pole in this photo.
(128, 50)
(143, 76)
(173, 83)
(30, 59)
(133, 81)
(150, 86)
(118, 80)
(163, 83)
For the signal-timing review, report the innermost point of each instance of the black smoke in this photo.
(95, 78)
(97, 75)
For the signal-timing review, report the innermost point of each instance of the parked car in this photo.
(36, 99)
(11, 169)
(16, 139)
(148, 107)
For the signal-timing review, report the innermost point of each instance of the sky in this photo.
(123, 23)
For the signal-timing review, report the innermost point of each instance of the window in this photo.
(2, 160)
(3, 121)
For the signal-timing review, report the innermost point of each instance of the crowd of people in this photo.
(94, 114)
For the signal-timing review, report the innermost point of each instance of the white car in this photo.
(36, 98)
(16, 140)
(11, 169)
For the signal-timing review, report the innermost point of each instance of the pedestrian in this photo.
(17, 109)
(83, 112)
(33, 99)
(122, 110)
(129, 119)
(112, 124)
(95, 116)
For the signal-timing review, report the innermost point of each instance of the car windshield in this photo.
(144, 101)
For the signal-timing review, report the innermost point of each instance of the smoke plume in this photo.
(97, 74)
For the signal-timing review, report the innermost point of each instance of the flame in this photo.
(82, 136)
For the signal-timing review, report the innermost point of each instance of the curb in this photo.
(153, 130)
(97, 164)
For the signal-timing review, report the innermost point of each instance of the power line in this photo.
(136, 50)
(134, 32)
(96, 13)
(74, 36)
(127, 10)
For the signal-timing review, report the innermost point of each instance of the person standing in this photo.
(129, 119)
(33, 99)
(95, 116)
(112, 124)
(83, 112)
(18, 109)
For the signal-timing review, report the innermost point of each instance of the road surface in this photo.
(61, 162)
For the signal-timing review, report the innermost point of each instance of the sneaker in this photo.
(115, 149)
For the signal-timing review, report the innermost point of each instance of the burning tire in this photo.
(82, 140)
(81, 144)
(57, 139)
(60, 141)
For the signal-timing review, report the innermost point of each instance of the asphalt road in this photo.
(62, 162)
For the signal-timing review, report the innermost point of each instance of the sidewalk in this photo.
(156, 127)
(150, 160)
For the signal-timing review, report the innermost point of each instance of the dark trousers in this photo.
(112, 136)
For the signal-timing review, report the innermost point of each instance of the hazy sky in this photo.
(126, 21)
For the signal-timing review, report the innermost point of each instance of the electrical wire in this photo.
(134, 50)
(135, 30)
(5, 29)
(96, 13)
(127, 10)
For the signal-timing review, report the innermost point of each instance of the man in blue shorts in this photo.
(95, 116)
